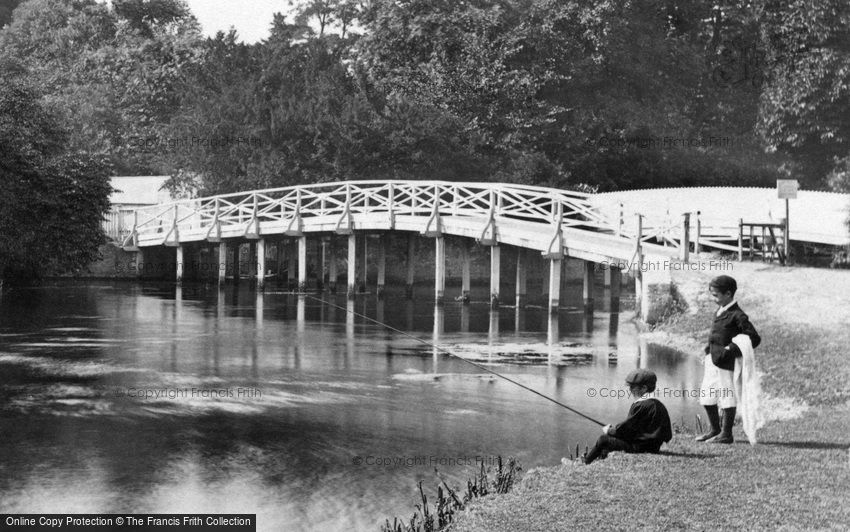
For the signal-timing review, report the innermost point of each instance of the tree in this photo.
(53, 199)
(108, 73)
(804, 107)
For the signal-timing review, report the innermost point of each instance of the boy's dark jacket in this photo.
(727, 326)
(647, 427)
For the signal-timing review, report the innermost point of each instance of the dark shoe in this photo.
(714, 421)
(707, 436)
(725, 435)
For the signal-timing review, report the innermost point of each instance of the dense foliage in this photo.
(53, 198)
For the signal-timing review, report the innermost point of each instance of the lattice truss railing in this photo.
(287, 208)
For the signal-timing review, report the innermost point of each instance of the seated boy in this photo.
(646, 428)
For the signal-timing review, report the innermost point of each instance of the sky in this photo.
(251, 18)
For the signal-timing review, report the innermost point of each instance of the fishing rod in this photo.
(447, 352)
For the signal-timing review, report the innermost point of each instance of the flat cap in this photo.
(642, 376)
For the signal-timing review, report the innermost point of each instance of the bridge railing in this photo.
(393, 198)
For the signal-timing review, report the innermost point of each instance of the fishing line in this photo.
(447, 352)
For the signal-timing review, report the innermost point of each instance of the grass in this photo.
(797, 477)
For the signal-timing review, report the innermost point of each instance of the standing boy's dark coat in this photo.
(728, 325)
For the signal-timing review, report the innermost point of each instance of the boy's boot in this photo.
(725, 435)
(714, 420)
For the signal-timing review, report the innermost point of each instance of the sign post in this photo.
(787, 189)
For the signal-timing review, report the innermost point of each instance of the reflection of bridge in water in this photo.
(505, 328)
(555, 223)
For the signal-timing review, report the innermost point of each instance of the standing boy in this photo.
(646, 427)
(719, 362)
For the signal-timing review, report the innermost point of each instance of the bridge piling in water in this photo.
(364, 270)
(521, 278)
(555, 265)
(587, 285)
(332, 273)
(302, 264)
(382, 265)
(495, 275)
(261, 264)
(179, 265)
(222, 263)
(465, 272)
(411, 265)
(439, 269)
(351, 279)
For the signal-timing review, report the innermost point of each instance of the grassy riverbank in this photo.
(798, 477)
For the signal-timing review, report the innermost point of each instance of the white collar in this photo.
(721, 310)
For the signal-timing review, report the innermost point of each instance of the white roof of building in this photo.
(139, 190)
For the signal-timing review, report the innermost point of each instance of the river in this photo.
(122, 397)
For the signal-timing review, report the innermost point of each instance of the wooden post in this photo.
(685, 241)
(222, 263)
(740, 239)
(495, 272)
(332, 274)
(555, 266)
(787, 243)
(178, 277)
(351, 279)
(465, 269)
(302, 264)
(763, 248)
(521, 278)
(615, 275)
(364, 271)
(382, 265)
(698, 235)
(411, 265)
(261, 263)
(752, 243)
(439, 269)
(587, 288)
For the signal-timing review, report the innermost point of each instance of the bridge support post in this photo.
(411, 265)
(323, 260)
(363, 272)
(178, 278)
(302, 264)
(261, 264)
(332, 274)
(614, 276)
(352, 266)
(439, 269)
(521, 278)
(587, 289)
(495, 273)
(222, 263)
(465, 269)
(555, 265)
(382, 265)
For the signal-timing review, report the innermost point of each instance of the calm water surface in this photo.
(297, 411)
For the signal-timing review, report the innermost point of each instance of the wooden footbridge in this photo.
(556, 223)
